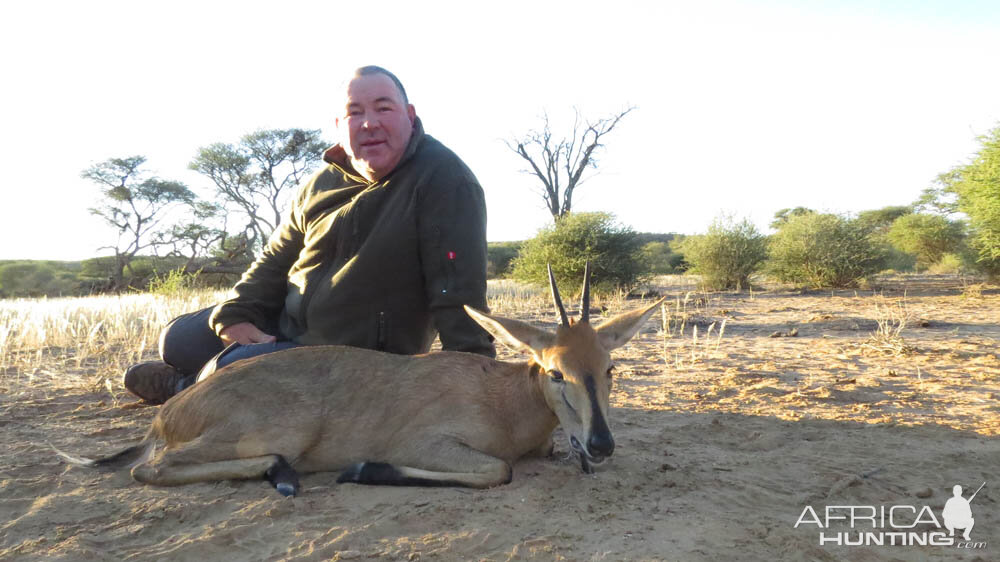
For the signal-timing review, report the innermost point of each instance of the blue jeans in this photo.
(253, 350)
(189, 342)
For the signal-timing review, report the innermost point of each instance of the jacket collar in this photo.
(337, 156)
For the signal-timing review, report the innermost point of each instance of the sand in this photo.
(721, 445)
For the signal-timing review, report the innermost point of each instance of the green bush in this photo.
(824, 250)
(173, 283)
(897, 260)
(37, 279)
(948, 264)
(500, 257)
(727, 255)
(25, 279)
(657, 257)
(613, 250)
(926, 237)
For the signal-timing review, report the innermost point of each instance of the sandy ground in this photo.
(721, 446)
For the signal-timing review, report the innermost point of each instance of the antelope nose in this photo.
(601, 444)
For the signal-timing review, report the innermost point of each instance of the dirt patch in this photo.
(721, 444)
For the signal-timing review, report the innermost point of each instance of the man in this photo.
(957, 513)
(381, 249)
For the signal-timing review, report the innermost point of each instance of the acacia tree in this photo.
(135, 205)
(927, 237)
(784, 215)
(196, 238)
(975, 189)
(560, 164)
(256, 175)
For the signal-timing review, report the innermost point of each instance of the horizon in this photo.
(744, 108)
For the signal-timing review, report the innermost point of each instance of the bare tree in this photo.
(134, 206)
(257, 174)
(560, 164)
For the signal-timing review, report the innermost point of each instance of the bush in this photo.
(173, 283)
(897, 260)
(37, 279)
(500, 257)
(728, 255)
(948, 264)
(926, 237)
(613, 250)
(25, 279)
(824, 250)
(663, 258)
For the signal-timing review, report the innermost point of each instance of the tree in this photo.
(196, 238)
(880, 220)
(560, 164)
(927, 237)
(205, 243)
(976, 190)
(613, 250)
(783, 216)
(135, 205)
(256, 175)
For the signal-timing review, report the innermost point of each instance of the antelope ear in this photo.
(617, 331)
(516, 335)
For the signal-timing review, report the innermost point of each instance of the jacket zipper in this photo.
(381, 336)
(324, 272)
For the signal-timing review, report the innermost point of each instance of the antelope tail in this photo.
(129, 457)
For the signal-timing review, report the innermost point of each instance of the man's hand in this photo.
(244, 333)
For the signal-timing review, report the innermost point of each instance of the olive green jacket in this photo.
(382, 265)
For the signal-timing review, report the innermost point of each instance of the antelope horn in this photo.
(585, 304)
(555, 297)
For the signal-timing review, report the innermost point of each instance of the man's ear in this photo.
(411, 112)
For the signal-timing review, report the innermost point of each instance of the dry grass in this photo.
(89, 341)
(85, 341)
(892, 319)
(974, 291)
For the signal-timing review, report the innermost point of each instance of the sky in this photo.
(743, 108)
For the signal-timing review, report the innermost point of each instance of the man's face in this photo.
(375, 125)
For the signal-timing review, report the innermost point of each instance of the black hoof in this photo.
(283, 477)
(352, 473)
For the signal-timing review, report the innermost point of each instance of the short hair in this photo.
(372, 69)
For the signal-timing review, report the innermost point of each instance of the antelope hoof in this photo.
(283, 477)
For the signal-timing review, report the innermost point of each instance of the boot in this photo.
(154, 381)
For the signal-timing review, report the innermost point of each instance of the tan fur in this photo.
(453, 417)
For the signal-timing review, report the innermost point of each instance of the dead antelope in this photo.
(440, 419)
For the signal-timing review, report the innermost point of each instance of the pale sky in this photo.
(744, 107)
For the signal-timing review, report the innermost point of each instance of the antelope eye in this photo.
(556, 375)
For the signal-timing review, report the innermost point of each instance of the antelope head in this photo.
(575, 367)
